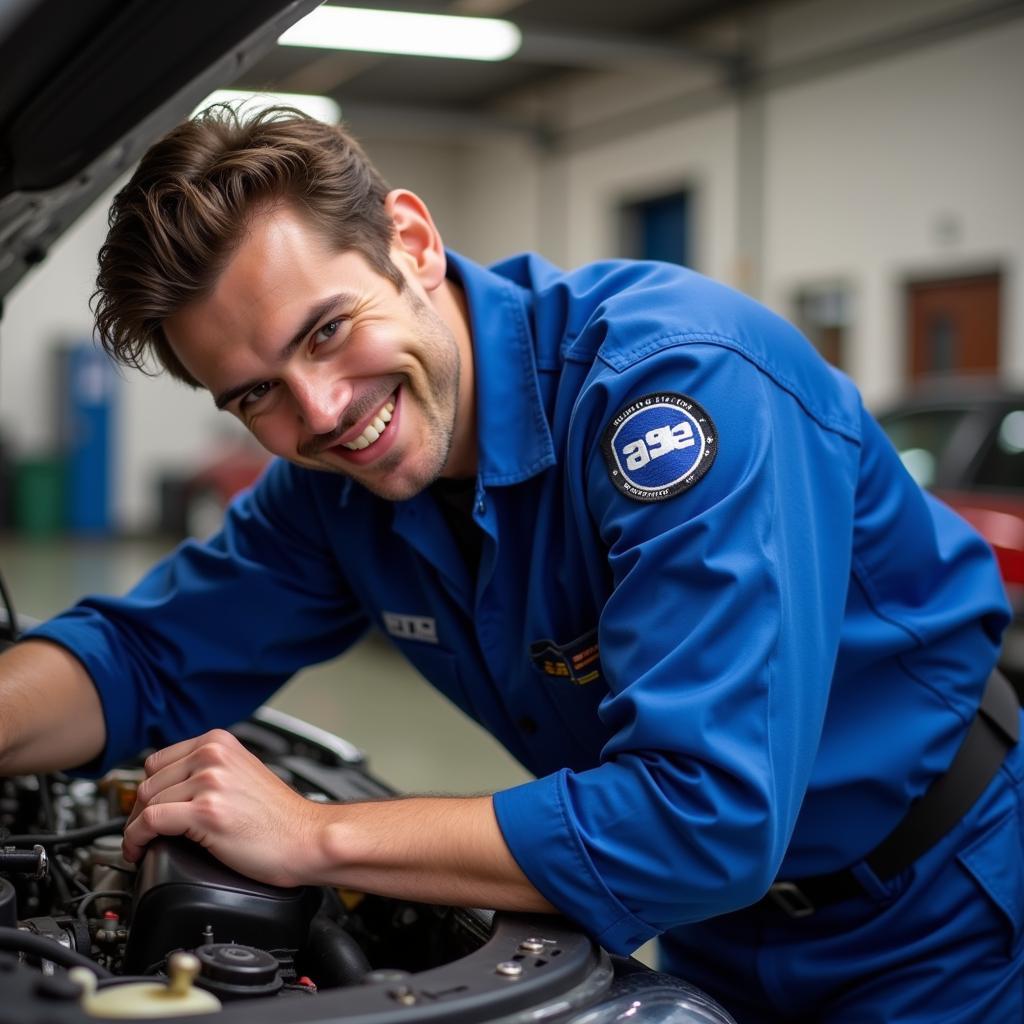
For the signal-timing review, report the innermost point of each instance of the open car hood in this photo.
(89, 85)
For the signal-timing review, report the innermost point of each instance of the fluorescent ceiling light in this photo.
(421, 35)
(320, 107)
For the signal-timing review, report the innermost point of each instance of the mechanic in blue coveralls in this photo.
(623, 517)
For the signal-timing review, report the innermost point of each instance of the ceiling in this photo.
(559, 37)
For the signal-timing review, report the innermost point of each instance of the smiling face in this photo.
(327, 363)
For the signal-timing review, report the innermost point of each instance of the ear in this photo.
(416, 246)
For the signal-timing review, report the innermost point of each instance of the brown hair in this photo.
(177, 222)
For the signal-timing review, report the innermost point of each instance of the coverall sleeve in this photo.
(216, 627)
(717, 643)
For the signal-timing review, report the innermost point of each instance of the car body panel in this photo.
(963, 439)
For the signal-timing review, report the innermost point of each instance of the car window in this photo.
(921, 438)
(1002, 465)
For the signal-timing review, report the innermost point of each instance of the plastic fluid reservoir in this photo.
(178, 997)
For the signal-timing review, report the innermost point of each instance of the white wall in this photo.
(699, 153)
(503, 204)
(911, 165)
(893, 146)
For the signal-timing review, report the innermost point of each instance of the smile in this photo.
(374, 429)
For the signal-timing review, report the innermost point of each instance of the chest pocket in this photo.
(577, 662)
(572, 682)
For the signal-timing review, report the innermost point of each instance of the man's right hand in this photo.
(51, 718)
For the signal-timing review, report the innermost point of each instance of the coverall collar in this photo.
(514, 440)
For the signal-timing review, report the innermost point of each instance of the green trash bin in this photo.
(39, 496)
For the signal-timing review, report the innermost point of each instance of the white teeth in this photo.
(374, 429)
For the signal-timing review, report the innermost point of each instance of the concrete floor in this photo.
(413, 737)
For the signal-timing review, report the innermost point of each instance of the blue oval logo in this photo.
(659, 445)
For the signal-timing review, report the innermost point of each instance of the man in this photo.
(623, 517)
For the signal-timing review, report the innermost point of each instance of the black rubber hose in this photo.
(15, 940)
(75, 835)
(61, 882)
(331, 957)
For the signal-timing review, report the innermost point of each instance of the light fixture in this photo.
(421, 35)
(320, 107)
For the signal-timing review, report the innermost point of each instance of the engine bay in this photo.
(69, 901)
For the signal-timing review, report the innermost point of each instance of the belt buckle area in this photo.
(791, 899)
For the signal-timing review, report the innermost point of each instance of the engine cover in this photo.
(182, 890)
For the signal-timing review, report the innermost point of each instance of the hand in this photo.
(212, 790)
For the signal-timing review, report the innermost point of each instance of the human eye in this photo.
(252, 398)
(330, 330)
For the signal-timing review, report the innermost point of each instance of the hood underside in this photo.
(89, 85)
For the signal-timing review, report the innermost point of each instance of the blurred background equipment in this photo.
(86, 424)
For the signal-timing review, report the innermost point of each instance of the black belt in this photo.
(995, 729)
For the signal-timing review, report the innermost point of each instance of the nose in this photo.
(321, 399)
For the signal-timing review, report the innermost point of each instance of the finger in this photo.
(144, 822)
(197, 792)
(161, 758)
(169, 819)
(174, 773)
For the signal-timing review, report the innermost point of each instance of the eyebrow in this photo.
(334, 303)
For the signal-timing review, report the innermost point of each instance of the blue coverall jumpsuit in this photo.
(713, 614)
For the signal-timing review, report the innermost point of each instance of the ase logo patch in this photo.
(659, 445)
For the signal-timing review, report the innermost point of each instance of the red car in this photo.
(964, 440)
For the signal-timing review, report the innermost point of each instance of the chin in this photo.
(398, 487)
(395, 480)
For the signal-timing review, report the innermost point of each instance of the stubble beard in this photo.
(438, 406)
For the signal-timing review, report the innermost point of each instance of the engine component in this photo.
(69, 932)
(110, 871)
(120, 786)
(33, 863)
(332, 956)
(39, 945)
(182, 889)
(342, 955)
(178, 997)
(232, 971)
(8, 904)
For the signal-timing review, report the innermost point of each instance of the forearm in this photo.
(446, 850)
(50, 713)
(435, 849)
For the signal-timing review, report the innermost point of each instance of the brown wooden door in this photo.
(954, 326)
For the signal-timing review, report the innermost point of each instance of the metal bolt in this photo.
(532, 945)
(403, 994)
(509, 969)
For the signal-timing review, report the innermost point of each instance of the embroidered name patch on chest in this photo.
(411, 627)
(659, 445)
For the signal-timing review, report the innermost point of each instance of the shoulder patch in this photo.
(658, 446)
